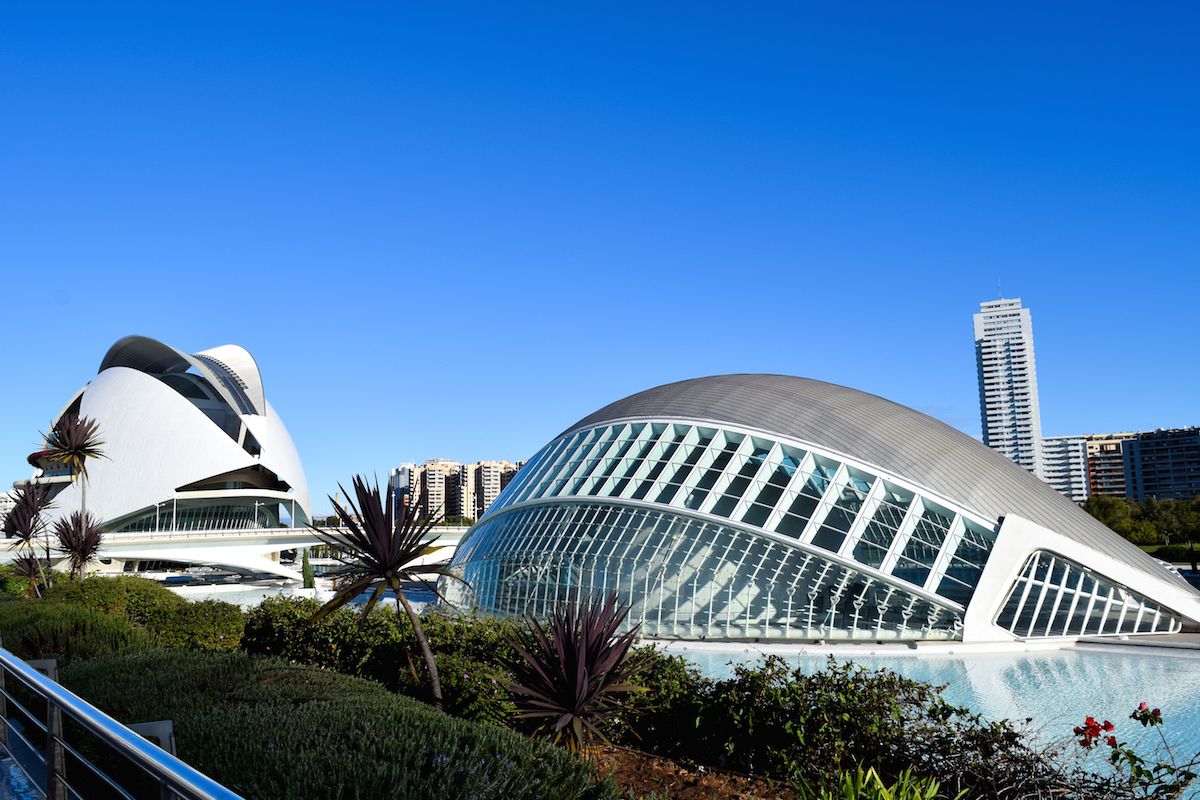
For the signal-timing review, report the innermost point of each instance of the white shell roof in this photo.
(156, 440)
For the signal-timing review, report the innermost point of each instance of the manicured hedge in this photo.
(270, 729)
(140, 600)
(471, 653)
(170, 620)
(44, 629)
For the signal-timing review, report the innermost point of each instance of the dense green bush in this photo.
(45, 629)
(482, 639)
(170, 620)
(141, 601)
(12, 585)
(771, 720)
(810, 728)
(472, 653)
(270, 729)
(343, 641)
(470, 690)
(202, 625)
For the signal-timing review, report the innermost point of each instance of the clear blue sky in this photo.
(454, 231)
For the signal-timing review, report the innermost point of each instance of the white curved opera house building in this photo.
(190, 444)
(775, 507)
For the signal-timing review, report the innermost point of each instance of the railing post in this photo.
(56, 764)
(3, 711)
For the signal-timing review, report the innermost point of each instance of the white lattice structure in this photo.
(762, 506)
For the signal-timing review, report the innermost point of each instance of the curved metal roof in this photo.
(239, 384)
(893, 437)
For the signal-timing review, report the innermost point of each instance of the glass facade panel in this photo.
(1058, 597)
(683, 577)
(896, 537)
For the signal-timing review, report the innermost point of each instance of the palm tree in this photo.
(379, 551)
(72, 442)
(25, 523)
(79, 539)
(30, 568)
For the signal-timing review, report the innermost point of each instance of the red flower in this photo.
(1146, 715)
(1111, 741)
(1089, 732)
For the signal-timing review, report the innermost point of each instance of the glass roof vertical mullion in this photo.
(591, 453)
(949, 545)
(610, 445)
(803, 470)
(773, 458)
(1062, 590)
(617, 475)
(693, 478)
(828, 498)
(865, 515)
(552, 463)
(912, 515)
(1041, 596)
(741, 455)
(1066, 628)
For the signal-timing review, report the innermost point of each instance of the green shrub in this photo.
(280, 626)
(202, 625)
(811, 728)
(44, 629)
(382, 647)
(170, 620)
(269, 729)
(470, 690)
(867, 785)
(481, 639)
(664, 717)
(142, 601)
(342, 641)
(12, 585)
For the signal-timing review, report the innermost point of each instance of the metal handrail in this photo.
(185, 781)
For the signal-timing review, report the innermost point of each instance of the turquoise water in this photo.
(1053, 689)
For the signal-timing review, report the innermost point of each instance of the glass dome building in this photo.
(775, 507)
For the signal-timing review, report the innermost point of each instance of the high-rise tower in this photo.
(1008, 394)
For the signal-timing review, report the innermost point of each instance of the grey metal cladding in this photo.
(893, 437)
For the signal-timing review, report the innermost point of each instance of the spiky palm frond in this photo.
(20, 524)
(574, 671)
(30, 568)
(24, 521)
(33, 496)
(381, 549)
(79, 539)
(73, 441)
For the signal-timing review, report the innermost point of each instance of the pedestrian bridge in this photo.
(251, 550)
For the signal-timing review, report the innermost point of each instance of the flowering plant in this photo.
(1160, 776)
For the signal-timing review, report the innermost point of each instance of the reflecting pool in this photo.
(1054, 689)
